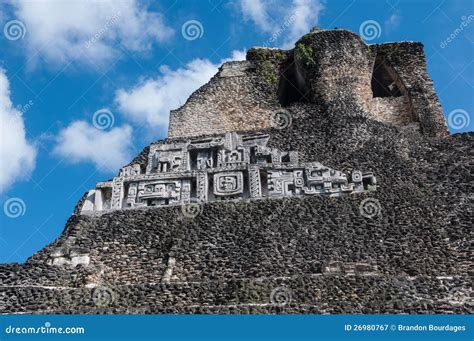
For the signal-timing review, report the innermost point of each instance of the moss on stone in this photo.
(268, 62)
(269, 72)
(257, 54)
(304, 54)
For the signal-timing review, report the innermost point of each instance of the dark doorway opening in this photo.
(384, 79)
(291, 87)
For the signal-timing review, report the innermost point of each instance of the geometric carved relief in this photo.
(201, 186)
(204, 159)
(117, 191)
(155, 193)
(281, 183)
(255, 186)
(229, 183)
(220, 168)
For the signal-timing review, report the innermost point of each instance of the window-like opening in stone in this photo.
(264, 182)
(384, 79)
(264, 159)
(164, 167)
(291, 87)
(210, 188)
(285, 158)
(253, 156)
(193, 188)
(291, 188)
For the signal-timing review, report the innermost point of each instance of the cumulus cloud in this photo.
(257, 12)
(288, 22)
(83, 142)
(149, 102)
(304, 15)
(17, 155)
(88, 31)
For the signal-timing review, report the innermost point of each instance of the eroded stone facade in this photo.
(225, 167)
(333, 69)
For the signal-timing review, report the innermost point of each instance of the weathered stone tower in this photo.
(320, 179)
(333, 69)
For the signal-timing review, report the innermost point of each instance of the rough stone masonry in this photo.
(320, 179)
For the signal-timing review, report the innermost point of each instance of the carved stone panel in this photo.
(130, 171)
(255, 183)
(132, 194)
(241, 166)
(201, 186)
(229, 158)
(186, 191)
(204, 159)
(167, 161)
(229, 183)
(280, 183)
(117, 192)
(156, 193)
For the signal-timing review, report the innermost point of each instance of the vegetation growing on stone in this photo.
(305, 55)
(269, 72)
(268, 62)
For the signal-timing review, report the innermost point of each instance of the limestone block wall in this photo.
(235, 99)
(408, 60)
(334, 69)
(393, 110)
(337, 68)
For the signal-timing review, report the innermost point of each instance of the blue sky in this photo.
(83, 88)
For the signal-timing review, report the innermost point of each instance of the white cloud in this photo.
(304, 15)
(17, 155)
(107, 150)
(150, 101)
(289, 22)
(256, 11)
(88, 30)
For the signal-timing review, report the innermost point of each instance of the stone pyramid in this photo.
(320, 179)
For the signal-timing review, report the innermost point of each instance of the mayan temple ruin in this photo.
(320, 179)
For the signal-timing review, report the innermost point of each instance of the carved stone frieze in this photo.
(232, 166)
(229, 183)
